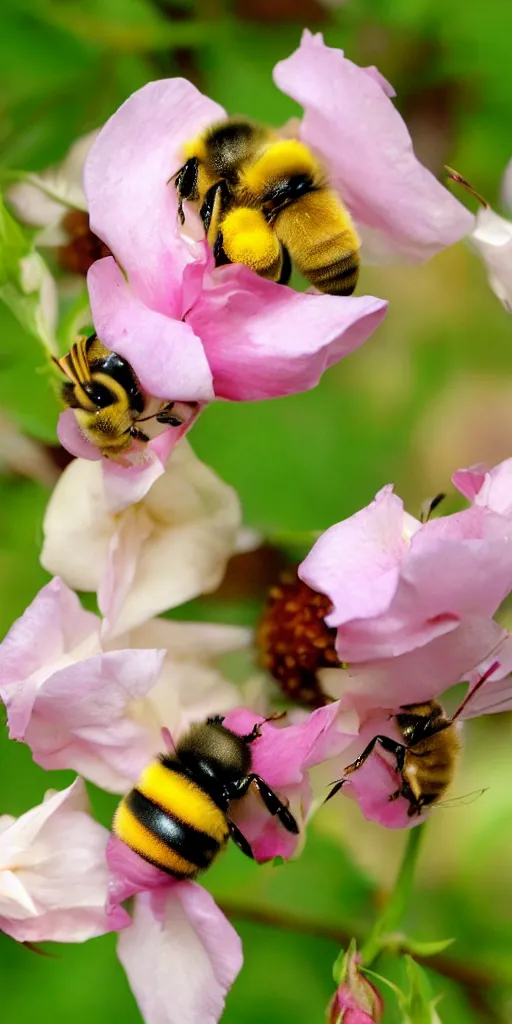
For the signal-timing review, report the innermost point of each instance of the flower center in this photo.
(294, 642)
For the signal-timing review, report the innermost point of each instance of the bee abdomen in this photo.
(336, 278)
(162, 838)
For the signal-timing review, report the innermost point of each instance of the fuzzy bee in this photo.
(105, 394)
(265, 201)
(178, 815)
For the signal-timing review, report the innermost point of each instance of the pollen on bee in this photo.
(294, 642)
(248, 239)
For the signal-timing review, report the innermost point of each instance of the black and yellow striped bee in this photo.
(264, 201)
(105, 394)
(177, 816)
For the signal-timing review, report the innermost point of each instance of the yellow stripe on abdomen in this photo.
(184, 799)
(126, 827)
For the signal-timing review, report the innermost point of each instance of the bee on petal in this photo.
(266, 202)
(106, 396)
(177, 816)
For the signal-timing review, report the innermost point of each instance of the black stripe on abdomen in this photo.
(193, 845)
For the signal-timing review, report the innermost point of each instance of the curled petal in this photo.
(351, 122)
(55, 854)
(263, 340)
(488, 488)
(181, 956)
(132, 202)
(492, 238)
(356, 563)
(419, 675)
(40, 642)
(72, 439)
(95, 735)
(167, 357)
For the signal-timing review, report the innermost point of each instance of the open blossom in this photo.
(396, 583)
(53, 872)
(171, 546)
(225, 332)
(163, 675)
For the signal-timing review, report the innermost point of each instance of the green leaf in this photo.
(26, 285)
(419, 948)
(417, 1004)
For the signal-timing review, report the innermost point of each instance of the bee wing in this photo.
(74, 364)
(461, 801)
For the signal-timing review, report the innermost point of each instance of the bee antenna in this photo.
(430, 506)
(479, 683)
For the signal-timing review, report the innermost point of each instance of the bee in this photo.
(177, 816)
(106, 397)
(427, 758)
(265, 201)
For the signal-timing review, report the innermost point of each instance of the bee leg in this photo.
(216, 202)
(138, 435)
(186, 184)
(240, 840)
(215, 720)
(165, 416)
(388, 744)
(274, 805)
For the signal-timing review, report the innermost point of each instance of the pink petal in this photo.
(495, 694)
(181, 956)
(263, 340)
(129, 874)
(351, 122)
(422, 674)
(50, 628)
(132, 204)
(60, 859)
(127, 486)
(456, 566)
(357, 562)
(490, 488)
(81, 718)
(165, 353)
(72, 439)
(469, 481)
(282, 757)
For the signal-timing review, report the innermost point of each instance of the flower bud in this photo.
(356, 1001)
(294, 641)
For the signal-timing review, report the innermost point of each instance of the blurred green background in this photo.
(428, 393)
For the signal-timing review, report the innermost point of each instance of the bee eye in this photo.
(99, 394)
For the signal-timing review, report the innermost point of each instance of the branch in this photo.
(468, 975)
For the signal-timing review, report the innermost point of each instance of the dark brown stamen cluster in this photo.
(83, 248)
(294, 642)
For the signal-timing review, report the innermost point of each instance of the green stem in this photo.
(399, 900)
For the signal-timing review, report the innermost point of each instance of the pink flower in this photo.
(53, 872)
(171, 546)
(396, 584)
(377, 690)
(356, 1001)
(101, 711)
(351, 122)
(189, 331)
